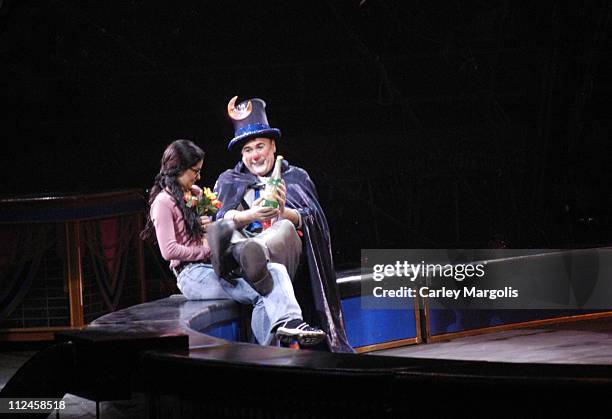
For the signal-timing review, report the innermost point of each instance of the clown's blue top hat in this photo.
(250, 121)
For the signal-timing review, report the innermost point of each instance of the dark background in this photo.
(423, 124)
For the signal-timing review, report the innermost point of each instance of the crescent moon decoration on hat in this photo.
(240, 112)
(250, 121)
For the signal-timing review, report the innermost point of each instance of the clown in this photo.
(299, 229)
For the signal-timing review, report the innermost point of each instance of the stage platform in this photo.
(163, 350)
(191, 359)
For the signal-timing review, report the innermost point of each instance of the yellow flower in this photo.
(209, 194)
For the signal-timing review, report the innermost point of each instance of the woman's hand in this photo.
(205, 221)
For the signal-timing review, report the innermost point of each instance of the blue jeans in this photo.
(198, 281)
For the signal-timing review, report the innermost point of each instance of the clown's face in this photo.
(258, 155)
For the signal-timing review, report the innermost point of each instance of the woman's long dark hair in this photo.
(178, 157)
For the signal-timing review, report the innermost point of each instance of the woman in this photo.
(181, 236)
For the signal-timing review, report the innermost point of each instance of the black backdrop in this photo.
(423, 124)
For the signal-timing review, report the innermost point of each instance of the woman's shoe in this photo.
(219, 236)
(252, 259)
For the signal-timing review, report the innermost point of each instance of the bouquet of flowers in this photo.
(205, 203)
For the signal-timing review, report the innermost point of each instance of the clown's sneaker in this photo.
(298, 329)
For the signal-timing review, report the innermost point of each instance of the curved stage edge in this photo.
(186, 358)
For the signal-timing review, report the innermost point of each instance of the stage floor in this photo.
(578, 342)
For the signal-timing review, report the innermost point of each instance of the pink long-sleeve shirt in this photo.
(172, 237)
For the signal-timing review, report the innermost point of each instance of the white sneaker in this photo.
(298, 329)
